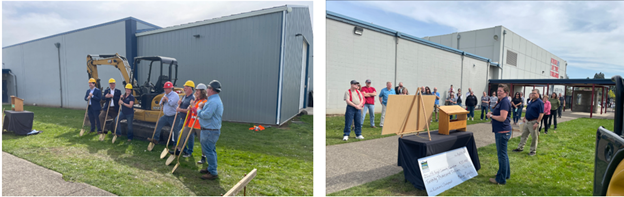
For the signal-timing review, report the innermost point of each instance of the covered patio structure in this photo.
(602, 84)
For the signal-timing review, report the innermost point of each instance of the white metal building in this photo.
(360, 50)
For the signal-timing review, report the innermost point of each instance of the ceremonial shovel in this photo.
(85, 118)
(117, 122)
(187, 137)
(166, 150)
(151, 144)
(102, 136)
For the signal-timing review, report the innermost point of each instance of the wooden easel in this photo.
(423, 110)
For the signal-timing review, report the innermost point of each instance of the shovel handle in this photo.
(187, 137)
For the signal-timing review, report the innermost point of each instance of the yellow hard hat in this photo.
(92, 80)
(190, 83)
(129, 86)
(111, 80)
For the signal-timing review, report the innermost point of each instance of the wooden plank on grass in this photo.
(241, 184)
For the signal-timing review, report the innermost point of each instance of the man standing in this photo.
(471, 102)
(493, 101)
(534, 114)
(383, 99)
(210, 114)
(369, 103)
(111, 99)
(485, 105)
(555, 105)
(400, 90)
(562, 102)
(169, 103)
(459, 97)
(437, 102)
(93, 97)
(355, 103)
(182, 110)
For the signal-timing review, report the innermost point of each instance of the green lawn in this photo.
(283, 157)
(564, 165)
(335, 128)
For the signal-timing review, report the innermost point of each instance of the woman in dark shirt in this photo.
(126, 102)
(501, 127)
(516, 102)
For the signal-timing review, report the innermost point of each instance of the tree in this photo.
(598, 76)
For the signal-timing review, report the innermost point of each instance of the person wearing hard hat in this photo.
(93, 97)
(126, 102)
(182, 110)
(200, 97)
(169, 103)
(111, 98)
(210, 114)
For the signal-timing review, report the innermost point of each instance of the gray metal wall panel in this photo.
(297, 22)
(36, 64)
(242, 54)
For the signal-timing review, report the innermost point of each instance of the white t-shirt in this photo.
(355, 97)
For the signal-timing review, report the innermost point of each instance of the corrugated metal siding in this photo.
(36, 64)
(297, 22)
(242, 54)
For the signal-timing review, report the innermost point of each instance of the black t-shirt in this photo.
(515, 101)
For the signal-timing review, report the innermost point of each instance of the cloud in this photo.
(24, 21)
(586, 34)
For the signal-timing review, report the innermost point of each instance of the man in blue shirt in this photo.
(437, 102)
(210, 114)
(533, 115)
(169, 103)
(383, 98)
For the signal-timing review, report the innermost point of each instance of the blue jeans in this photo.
(371, 114)
(504, 172)
(208, 140)
(353, 114)
(471, 111)
(484, 111)
(176, 132)
(161, 123)
(94, 120)
(129, 119)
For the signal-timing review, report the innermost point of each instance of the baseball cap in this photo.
(354, 82)
(368, 81)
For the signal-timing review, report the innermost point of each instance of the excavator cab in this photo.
(149, 91)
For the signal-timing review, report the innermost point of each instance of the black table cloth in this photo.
(414, 147)
(20, 122)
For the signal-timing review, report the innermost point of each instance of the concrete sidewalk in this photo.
(23, 178)
(356, 163)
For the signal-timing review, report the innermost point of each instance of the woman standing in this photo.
(452, 101)
(501, 126)
(126, 102)
(200, 97)
(555, 104)
(516, 103)
(546, 114)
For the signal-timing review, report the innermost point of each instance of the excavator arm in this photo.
(116, 60)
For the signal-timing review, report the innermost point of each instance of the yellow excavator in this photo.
(147, 95)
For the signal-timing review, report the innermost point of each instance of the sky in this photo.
(25, 21)
(588, 35)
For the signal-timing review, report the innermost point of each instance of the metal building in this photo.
(360, 50)
(56, 65)
(262, 58)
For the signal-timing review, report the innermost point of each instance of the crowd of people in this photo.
(203, 104)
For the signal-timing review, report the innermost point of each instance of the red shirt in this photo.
(369, 100)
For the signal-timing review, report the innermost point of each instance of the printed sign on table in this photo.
(446, 170)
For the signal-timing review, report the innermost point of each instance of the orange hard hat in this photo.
(168, 85)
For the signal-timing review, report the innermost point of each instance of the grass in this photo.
(283, 157)
(564, 165)
(335, 128)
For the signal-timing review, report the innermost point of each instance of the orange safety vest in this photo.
(193, 115)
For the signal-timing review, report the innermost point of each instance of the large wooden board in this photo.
(404, 114)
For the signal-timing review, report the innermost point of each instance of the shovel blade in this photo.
(175, 167)
(164, 153)
(101, 137)
(150, 146)
(170, 159)
(81, 132)
(114, 138)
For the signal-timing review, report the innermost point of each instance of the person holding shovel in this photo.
(169, 103)
(111, 98)
(126, 102)
(200, 97)
(93, 97)
(182, 109)
(210, 114)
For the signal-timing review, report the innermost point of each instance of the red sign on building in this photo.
(554, 68)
